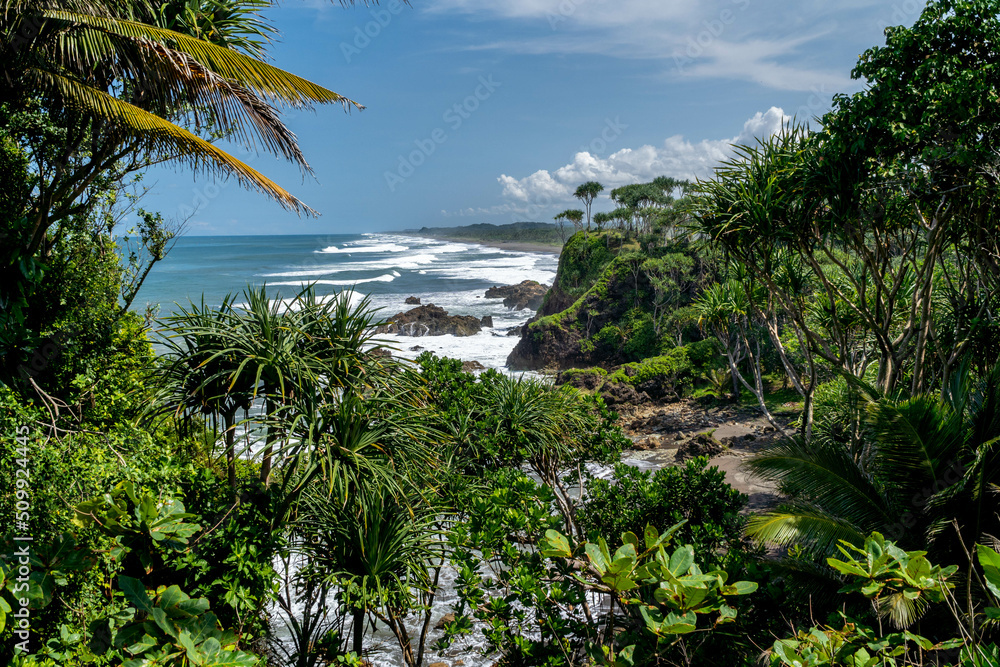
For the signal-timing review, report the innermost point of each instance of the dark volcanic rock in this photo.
(514, 331)
(659, 388)
(469, 366)
(487, 321)
(646, 444)
(551, 347)
(527, 294)
(445, 620)
(412, 301)
(431, 320)
(620, 393)
(700, 445)
(580, 380)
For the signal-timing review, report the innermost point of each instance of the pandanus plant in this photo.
(295, 357)
(196, 376)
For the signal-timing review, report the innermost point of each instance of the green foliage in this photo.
(904, 468)
(899, 584)
(671, 594)
(673, 370)
(581, 262)
(173, 629)
(693, 493)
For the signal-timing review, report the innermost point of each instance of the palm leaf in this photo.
(812, 527)
(917, 439)
(162, 137)
(275, 83)
(826, 475)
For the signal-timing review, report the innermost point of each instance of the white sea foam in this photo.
(387, 278)
(404, 262)
(506, 270)
(450, 247)
(352, 296)
(349, 249)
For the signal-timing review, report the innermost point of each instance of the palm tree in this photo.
(573, 215)
(728, 310)
(602, 218)
(587, 193)
(129, 89)
(915, 470)
(543, 427)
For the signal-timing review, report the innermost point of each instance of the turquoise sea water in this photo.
(387, 267)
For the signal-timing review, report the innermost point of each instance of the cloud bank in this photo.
(676, 157)
(750, 40)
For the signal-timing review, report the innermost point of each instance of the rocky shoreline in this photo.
(664, 429)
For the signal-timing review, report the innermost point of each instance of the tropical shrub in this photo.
(692, 493)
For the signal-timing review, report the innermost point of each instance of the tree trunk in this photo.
(359, 630)
(265, 462)
(229, 419)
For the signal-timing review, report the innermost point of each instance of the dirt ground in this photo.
(658, 431)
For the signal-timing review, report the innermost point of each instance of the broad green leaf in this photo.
(135, 593)
(631, 538)
(681, 560)
(554, 545)
(596, 557)
(990, 561)
(740, 588)
(170, 598)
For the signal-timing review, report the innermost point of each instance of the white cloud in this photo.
(676, 157)
(762, 41)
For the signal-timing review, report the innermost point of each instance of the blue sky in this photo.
(493, 111)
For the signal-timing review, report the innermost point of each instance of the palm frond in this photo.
(812, 528)
(827, 476)
(162, 137)
(276, 84)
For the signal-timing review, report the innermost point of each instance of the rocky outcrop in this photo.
(588, 381)
(555, 341)
(527, 294)
(548, 347)
(700, 445)
(470, 366)
(431, 320)
(622, 393)
(412, 301)
(486, 322)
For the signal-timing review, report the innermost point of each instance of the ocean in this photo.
(387, 267)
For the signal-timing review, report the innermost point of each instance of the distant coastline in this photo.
(517, 237)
